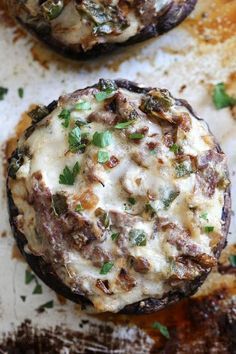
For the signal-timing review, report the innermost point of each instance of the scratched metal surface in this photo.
(189, 61)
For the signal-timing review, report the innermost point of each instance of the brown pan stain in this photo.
(214, 21)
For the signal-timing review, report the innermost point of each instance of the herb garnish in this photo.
(182, 170)
(106, 267)
(47, 305)
(204, 216)
(103, 156)
(232, 260)
(172, 196)
(209, 229)
(115, 236)
(20, 92)
(52, 8)
(102, 139)
(150, 210)
(83, 106)
(23, 297)
(79, 208)
(136, 136)
(68, 175)
(65, 115)
(220, 97)
(131, 201)
(175, 148)
(107, 88)
(138, 237)
(124, 125)
(163, 329)
(38, 289)
(3, 92)
(74, 139)
(29, 277)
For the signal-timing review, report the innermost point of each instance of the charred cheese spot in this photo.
(164, 208)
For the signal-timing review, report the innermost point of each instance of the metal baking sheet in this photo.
(189, 61)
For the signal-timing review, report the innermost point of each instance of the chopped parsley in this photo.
(150, 210)
(106, 267)
(220, 97)
(232, 260)
(47, 305)
(153, 152)
(115, 236)
(209, 229)
(107, 88)
(175, 148)
(131, 201)
(51, 9)
(79, 208)
(3, 92)
(124, 125)
(38, 289)
(29, 277)
(65, 116)
(74, 139)
(163, 329)
(172, 196)
(136, 136)
(83, 106)
(204, 216)
(103, 156)
(102, 139)
(182, 170)
(68, 175)
(20, 92)
(138, 237)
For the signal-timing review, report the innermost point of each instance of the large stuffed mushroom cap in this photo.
(85, 28)
(119, 197)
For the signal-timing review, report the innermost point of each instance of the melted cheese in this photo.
(71, 28)
(48, 146)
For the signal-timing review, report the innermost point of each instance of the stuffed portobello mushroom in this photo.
(119, 197)
(85, 28)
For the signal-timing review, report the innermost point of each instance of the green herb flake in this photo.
(79, 208)
(175, 148)
(124, 125)
(136, 136)
(182, 170)
(115, 236)
(102, 139)
(20, 92)
(103, 95)
(138, 237)
(23, 297)
(51, 9)
(209, 229)
(68, 176)
(131, 201)
(83, 106)
(232, 260)
(106, 267)
(47, 305)
(3, 92)
(74, 139)
(38, 289)
(103, 156)
(204, 216)
(163, 329)
(150, 210)
(65, 116)
(220, 97)
(153, 152)
(168, 201)
(29, 277)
